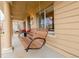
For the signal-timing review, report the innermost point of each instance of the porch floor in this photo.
(19, 51)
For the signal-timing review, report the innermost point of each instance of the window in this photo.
(29, 22)
(50, 21)
(41, 20)
(46, 20)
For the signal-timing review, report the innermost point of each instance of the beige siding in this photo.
(66, 16)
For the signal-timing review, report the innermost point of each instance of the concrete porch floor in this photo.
(19, 51)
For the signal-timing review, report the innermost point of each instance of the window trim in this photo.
(44, 12)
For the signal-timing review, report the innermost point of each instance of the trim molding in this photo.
(7, 50)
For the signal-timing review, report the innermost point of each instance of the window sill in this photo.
(51, 34)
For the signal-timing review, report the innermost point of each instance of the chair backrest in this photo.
(40, 32)
(43, 33)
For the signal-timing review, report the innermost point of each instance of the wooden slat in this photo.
(25, 42)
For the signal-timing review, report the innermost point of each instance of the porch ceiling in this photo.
(21, 9)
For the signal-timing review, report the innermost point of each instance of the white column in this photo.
(7, 28)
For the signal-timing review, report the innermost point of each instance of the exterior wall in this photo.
(33, 22)
(66, 40)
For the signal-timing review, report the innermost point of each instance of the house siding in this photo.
(66, 40)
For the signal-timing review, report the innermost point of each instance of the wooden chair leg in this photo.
(26, 50)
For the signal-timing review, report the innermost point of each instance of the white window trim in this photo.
(51, 34)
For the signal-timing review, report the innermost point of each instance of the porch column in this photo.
(7, 28)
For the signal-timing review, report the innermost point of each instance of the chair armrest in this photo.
(38, 38)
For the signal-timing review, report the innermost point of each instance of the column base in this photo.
(7, 50)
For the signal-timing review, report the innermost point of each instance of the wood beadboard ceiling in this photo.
(1, 5)
(21, 9)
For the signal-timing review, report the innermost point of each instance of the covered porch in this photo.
(57, 17)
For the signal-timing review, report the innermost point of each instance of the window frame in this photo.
(49, 9)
